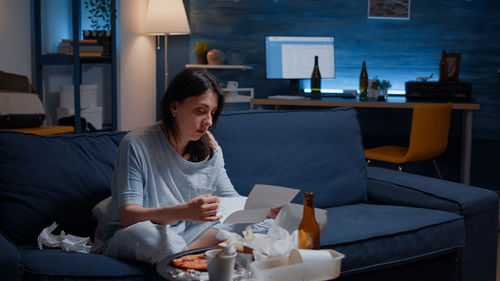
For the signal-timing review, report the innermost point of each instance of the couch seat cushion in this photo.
(378, 235)
(314, 150)
(58, 264)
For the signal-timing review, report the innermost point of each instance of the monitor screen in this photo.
(292, 57)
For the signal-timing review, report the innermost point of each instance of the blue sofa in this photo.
(390, 225)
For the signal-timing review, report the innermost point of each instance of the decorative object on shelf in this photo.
(389, 9)
(372, 92)
(235, 57)
(425, 78)
(230, 89)
(449, 67)
(101, 13)
(216, 57)
(382, 87)
(201, 49)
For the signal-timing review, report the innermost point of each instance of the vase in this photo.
(201, 58)
(215, 57)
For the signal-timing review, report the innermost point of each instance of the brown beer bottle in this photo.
(308, 228)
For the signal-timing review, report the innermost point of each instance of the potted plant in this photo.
(382, 87)
(201, 49)
(101, 13)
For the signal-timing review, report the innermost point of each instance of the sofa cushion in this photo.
(53, 178)
(317, 150)
(58, 265)
(379, 235)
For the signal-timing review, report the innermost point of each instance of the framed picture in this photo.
(453, 62)
(389, 9)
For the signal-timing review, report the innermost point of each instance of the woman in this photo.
(168, 178)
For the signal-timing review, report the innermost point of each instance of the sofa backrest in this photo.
(53, 178)
(317, 150)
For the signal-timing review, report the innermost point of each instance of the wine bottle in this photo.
(363, 84)
(316, 78)
(443, 68)
(308, 228)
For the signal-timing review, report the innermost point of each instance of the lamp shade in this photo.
(166, 17)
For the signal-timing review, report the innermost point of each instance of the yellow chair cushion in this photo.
(388, 153)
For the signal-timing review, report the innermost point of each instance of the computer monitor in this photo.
(292, 57)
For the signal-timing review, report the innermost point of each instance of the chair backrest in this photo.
(430, 127)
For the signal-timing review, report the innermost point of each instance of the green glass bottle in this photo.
(363, 84)
(315, 79)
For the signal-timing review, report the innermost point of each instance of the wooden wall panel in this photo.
(398, 50)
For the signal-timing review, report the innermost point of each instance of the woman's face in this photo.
(194, 116)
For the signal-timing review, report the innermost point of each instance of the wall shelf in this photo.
(238, 98)
(74, 60)
(219, 66)
(60, 59)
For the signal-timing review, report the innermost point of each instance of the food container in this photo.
(300, 265)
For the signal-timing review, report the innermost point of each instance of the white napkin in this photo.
(67, 242)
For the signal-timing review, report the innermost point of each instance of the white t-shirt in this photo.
(150, 173)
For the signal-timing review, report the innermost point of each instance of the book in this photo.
(81, 41)
(83, 49)
(256, 206)
(86, 54)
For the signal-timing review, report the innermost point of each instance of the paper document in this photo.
(256, 207)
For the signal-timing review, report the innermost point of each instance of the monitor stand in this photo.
(294, 87)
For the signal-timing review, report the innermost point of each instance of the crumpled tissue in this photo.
(276, 243)
(67, 242)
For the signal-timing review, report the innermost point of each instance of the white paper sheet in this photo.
(256, 207)
(290, 217)
(229, 205)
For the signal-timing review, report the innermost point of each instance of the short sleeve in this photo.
(128, 178)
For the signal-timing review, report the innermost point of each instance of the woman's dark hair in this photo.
(190, 83)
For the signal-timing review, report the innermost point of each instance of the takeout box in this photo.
(300, 265)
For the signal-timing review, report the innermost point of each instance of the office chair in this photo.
(430, 127)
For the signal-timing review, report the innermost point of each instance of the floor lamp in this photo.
(164, 17)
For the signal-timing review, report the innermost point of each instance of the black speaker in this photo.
(443, 91)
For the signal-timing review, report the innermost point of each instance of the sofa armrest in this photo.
(478, 206)
(10, 260)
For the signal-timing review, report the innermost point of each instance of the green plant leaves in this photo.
(101, 13)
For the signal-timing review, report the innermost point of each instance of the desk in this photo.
(46, 130)
(392, 102)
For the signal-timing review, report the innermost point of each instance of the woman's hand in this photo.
(211, 140)
(273, 213)
(202, 208)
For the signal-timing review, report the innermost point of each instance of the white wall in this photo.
(136, 58)
(136, 68)
(15, 34)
